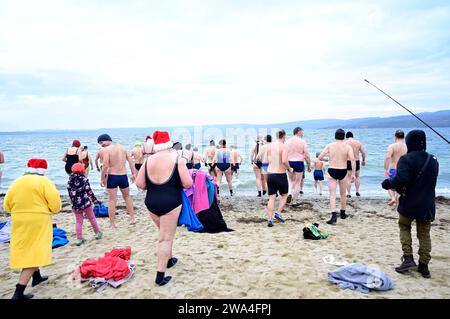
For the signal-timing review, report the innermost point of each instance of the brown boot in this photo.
(407, 264)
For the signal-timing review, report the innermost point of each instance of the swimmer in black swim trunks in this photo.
(339, 153)
(357, 148)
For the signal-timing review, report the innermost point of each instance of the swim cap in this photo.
(76, 143)
(103, 138)
(340, 134)
(78, 168)
(138, 143)
(416, 140)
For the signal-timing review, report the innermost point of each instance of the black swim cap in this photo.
(349, 134)
(416, 140)
(340, 134)
(103, 138)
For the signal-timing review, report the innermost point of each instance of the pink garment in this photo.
(79, 215)
(200, 199)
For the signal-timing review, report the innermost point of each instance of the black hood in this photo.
(416, 140)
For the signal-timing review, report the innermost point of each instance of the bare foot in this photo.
(392, 202)
(133, 221)
(113, 226)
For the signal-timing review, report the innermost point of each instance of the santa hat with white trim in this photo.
(162, 141)
(37, 166)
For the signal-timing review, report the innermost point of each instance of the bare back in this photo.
(210, 154)
(275, 153)
(356, 146)
(297, 149)
(116, 156)
(138, 154)
(339, 153)
(318, 164)
(262, 155)
(394, 152)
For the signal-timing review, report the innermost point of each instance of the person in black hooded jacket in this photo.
(415, 181)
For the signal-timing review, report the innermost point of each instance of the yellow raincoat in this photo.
(31, 200)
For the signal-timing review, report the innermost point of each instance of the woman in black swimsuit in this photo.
(72, 156)
(164, 175)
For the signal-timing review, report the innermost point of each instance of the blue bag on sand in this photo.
(101, 211)
(188, 217)
(59, 238)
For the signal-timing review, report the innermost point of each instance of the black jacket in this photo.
(417, 200)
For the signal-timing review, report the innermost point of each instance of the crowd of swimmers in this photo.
(161, 168)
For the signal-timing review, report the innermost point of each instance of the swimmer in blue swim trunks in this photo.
(114, 175)
(318, 174)
(297, 150)
(393, 154)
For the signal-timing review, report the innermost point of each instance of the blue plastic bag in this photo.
(101, 211)
(188, 217)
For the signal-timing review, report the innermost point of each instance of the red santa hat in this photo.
(37, 166)
(162, 141)
(148, 138)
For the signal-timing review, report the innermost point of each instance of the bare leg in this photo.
(357, 182)
(258, 176)
(343, 191)
(112, 194)
(393, 199)
(291, 177)
(302, 182)
(219, 175)
(168, 227)
(297, 179)
(270, 207)
(321, 187)
(229, 177)
(282, 203)
(266, 188)
(349, 183)
(332, 184)
(129, 203)
(26, 275)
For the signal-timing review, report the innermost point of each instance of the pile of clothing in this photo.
(114, 269)
(312, 231)
(205, 202)
(5, 231)
(59, 237)
(361, 278)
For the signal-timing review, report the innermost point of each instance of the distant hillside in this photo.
(435, 119)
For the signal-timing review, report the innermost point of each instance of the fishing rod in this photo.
(409, 111)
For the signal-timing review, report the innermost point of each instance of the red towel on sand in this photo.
(113, 266)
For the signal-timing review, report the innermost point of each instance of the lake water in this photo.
(19, 147)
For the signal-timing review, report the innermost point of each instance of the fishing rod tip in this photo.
(366, 81)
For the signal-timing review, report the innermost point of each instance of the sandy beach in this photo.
(254, 261)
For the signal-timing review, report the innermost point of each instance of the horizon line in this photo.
(206, 125)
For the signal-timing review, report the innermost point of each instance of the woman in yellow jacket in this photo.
(32, 200)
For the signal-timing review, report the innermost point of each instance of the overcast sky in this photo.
(90, 64)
